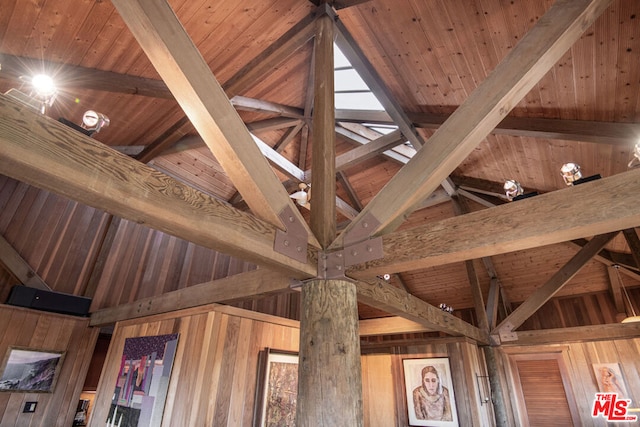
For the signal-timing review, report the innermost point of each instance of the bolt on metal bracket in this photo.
(293, 241)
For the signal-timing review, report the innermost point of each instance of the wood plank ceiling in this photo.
(428, 58)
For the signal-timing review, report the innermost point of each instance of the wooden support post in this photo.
(329, 375)
(497, 394)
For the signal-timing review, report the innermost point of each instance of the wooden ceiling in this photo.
(575, 101)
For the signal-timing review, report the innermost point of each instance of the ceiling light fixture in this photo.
(512, 189)
(634, 317)
(45, 90)
(570, 173)
(303, 195)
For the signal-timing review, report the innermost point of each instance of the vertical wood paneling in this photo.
(582, 382)
(214, 373)
(27, 328)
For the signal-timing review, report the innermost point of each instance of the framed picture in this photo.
(30, 370)
(143, 381)
(609, 379)
(277, 389)
(429, 389)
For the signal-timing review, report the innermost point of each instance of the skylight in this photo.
(351, 92)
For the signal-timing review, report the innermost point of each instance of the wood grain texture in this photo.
(329, 373)
(323, 158)
(520, 70)
(396, 301)
(46, 331)
(606, 205)
(188, 76)
(52, 156)
(254, 284)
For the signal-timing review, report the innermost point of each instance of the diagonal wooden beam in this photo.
(616, 290)
(253, 284)
(383, 296)
(47, 154)
(272, 124)
(242, 103)
(615, 133)
(606, 205)
(554, 284)
(188, 76)
(19, 267)
(511, 80)
(168, 138)
(252, 73)
(633, 241)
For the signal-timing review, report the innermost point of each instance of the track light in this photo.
(512, 189)
(570, 173)
(94, 121)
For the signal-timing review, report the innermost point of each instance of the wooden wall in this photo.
(582, 380)
(28, 328)
(215, 372)
(58, 238)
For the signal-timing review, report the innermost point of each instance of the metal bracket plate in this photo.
(333, 265)
(507, 333)
(293, 241)
(362, 231)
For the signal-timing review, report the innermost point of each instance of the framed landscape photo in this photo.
(30, 370)
(277, 389)
(429, 390)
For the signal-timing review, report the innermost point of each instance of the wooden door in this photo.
(545, 395)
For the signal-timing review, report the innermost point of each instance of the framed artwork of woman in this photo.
(430, 397)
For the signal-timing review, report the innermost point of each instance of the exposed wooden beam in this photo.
(47, 154)
(71, 76)
(243, 103)
(616, 133)
(609, 259)
(609, 332)
(343, 179)
(253, 284)
(390, 326)
(356, 140)
(323, 182)
(179, 63)
(252, 73)
(631, 237)
(510, 81)
(460, 207)
(554, 284)
(369, 150)
(616, 291)
(288, 137)
(272, 124)
(19, 267)
(168, 138)
(367, 72)
(606, 205)
(383, 296)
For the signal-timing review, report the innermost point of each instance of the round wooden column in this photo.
(330, 374)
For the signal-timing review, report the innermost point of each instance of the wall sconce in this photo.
(570, 173)
(512, 188)
(635, 162)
